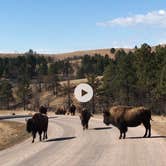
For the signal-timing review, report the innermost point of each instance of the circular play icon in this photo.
(83, 92)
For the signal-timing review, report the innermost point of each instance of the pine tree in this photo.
(6, 94)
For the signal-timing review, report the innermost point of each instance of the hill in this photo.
(61, 56)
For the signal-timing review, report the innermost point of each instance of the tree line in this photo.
(133, 78)
(19, 75)
(137, 78)
(92, 65)
(23, 76)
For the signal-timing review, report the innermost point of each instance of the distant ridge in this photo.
(60, 56)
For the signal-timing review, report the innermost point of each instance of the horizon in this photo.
(74, 51)
(55, 27)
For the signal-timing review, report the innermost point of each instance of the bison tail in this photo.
(148, 113)
(29, 126)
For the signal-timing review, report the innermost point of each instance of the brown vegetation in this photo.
(11, 133)
(61, 56)
(159, 124)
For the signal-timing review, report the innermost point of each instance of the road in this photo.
(69, 145)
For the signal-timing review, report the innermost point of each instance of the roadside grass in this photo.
(159, 124)
(12, 133)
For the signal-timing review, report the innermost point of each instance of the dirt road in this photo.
(69, 145)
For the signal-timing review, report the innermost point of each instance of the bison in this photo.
(85, 116)
(38, 123)
(60, 111)
(125, 116)
(72, 109)
(43, 110)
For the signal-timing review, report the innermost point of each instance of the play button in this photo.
(83, 92)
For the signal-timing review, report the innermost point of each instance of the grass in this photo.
(12, 133)
(159, 124)
(17, 112)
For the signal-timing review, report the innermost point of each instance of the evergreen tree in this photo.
(6, 94)
(94, 82)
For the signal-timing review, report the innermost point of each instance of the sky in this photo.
(57, 26)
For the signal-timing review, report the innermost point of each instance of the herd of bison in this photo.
(120, 116)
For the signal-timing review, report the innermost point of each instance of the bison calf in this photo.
(125, 116)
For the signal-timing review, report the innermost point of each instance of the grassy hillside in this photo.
(72, 54)
(105, 51)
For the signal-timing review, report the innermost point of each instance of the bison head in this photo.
(106, 117)
(43, 110)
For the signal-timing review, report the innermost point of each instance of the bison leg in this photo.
(46, 135)
(87, 126)
(146, 130)
(149, 130)
(124, 135)
(40, 136)
(123, 129)
(146, 125)
(120, 134)
(124, 132)
(34, 136)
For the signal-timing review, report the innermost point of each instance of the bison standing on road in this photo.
(125, 116)
(72, 109)
(85, 116)
(38, 123)
(60, 111)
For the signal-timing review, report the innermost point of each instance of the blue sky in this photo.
(49, 26)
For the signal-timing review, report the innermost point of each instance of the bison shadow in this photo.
(60, 139)
(146, 137)
(102, 128)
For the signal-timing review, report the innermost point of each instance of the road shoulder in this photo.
(12, 133)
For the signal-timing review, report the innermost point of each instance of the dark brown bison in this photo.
(60, 111)
(72, 109)
(125, 116)
(38, 123)
(85, 116)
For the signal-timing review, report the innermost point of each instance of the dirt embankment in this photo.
(159, 124)
(11, 133)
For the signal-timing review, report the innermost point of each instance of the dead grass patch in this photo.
(159, 124)
(12, 133)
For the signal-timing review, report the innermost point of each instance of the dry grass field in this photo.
(61, 56)
(11, 133)
(17, 112)
(159, 124)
